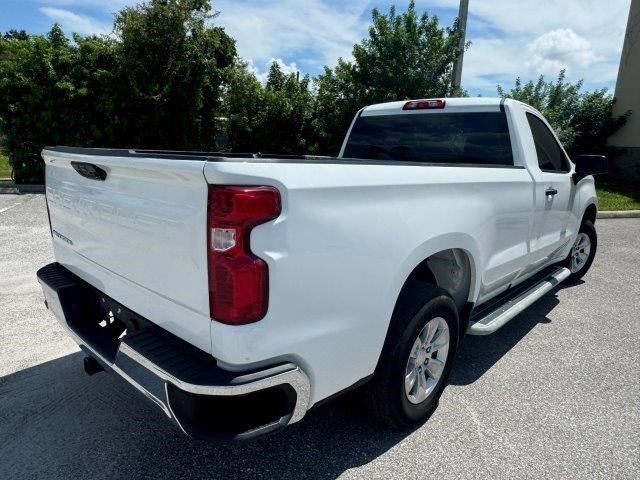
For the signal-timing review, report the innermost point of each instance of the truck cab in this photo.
(544, 212)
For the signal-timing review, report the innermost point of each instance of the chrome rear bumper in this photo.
(204, 400)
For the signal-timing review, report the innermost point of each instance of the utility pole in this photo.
(457, 67)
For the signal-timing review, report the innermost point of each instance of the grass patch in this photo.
(617, 196)
(5, 168)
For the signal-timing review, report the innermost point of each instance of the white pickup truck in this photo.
(238, 291)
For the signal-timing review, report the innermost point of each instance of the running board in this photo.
(486, 323)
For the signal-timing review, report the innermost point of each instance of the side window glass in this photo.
(551, 158)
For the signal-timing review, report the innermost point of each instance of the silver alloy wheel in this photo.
(427, 360)
(580, 252)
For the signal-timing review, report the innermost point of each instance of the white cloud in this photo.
(527, 38)
(73, 22)
(109, 6)
(490, 59)
(263, 73)
(509, 38)
(287, 68)
(558, 49)
(311, 30)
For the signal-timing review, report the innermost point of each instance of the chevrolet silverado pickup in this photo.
(237, 291)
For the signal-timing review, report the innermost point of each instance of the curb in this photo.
(22, 189)
(619, 214)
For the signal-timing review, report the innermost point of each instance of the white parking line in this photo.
(2, 210)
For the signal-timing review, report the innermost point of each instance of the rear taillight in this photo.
(426, 104)
(238, 280)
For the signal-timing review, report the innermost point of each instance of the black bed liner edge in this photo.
(254, 157)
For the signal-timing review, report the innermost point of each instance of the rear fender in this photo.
(437, 244)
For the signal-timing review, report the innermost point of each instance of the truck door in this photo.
(553, 194)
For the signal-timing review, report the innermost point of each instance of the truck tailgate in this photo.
(139, 233)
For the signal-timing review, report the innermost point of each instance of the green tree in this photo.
(171, 73)
(51, 92)
(407, 55)
(243, 100)
(274, 118)
(17, 34)
(288, 107)
(582, 120)
(156, 84)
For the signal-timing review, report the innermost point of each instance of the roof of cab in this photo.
(477, 104)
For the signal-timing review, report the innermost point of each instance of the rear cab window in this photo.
(470, 138)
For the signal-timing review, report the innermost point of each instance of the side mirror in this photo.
(590, 165)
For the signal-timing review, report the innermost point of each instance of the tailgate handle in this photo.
(89, 170)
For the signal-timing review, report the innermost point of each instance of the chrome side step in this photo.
(487, 323)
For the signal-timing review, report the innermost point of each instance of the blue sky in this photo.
(509, 38)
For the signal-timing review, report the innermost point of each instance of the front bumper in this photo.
(204, 400)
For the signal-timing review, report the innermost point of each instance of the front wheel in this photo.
(583, 252)
(417, 357)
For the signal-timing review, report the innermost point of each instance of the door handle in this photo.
(551, 191)
(89, 170)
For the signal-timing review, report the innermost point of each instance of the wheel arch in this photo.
(418, 261)
(420, 267)
(590, 213)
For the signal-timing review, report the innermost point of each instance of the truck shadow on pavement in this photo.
(477, 354)
(55, 422)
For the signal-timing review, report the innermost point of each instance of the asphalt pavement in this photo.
(553, 394)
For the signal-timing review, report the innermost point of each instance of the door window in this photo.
(551, 158)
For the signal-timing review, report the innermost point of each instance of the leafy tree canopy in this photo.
(53, 91)
(171, 70)
(274, 118)
(582, 120)
(156, 83)
(168, 78)
(406, 55)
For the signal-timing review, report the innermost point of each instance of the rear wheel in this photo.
(426, 361)
(583, 252)
(417, 357)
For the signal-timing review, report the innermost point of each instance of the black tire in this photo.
(590, 231)
(418, 304)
